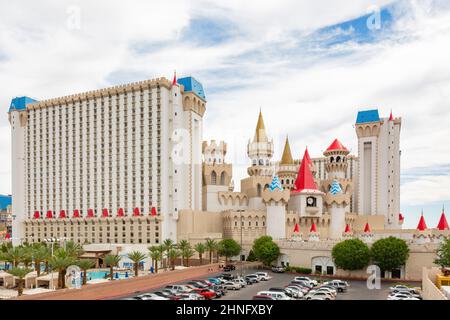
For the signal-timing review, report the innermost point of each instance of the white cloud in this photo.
(426, 189)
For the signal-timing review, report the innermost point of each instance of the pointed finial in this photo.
(174, 81)
(391, 118)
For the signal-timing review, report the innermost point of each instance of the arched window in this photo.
(261, 162)
(332, 159)
(266, 187)
(254, 162)
(282, 181)
(222, 178)
(258, 189)
(213, 177)
(338, 159)
(267, 162)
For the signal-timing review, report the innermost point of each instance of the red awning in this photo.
(36, 215)
(136, 212)
(49, 214)
(105, 213)
(76, 213)
(120, 213)
(90, 213)
(153, 212)
(62, 214)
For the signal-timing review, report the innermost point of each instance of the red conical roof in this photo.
(443, 224)
(120, 213)
(90, 213)
(305, 179)
(400, 217)
(391, 118)
(307, 157)
(76, 213)
(105, 213)
(313, 228)
(153, 212)
(367, 228)
(8, 236)
(347, 228)
(296, 228)
(136, 212)
(36, 215)
(174, 81)
(336, 145)
(422, 225)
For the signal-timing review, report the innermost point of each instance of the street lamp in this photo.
(240, 253)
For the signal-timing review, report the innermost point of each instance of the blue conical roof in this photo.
(275, 184)
(335, 188)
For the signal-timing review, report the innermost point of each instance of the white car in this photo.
(402, 288)
(241, 282)
(304, 290)
(323, 295)
(324, 289)
(191, 296)
(232, 285)
(340, 285)
(313, 282)
(295, 291)
(275, 294)
(401, 296)
(408, 293)
(254, 275)
(151, 296)
(264, 276)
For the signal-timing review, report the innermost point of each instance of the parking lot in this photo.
(357, 291)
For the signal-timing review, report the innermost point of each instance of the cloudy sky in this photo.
(310, 66)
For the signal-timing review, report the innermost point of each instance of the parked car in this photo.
(322, 295)
(296, 292)
(303, 290)
(401, 296)
(232, 285)
(207, 282)
(340, 285)
(191, 296)
(151, 296)
(197, 284)
(312, 281)
(330, 291)
(278, 269)
(275, 294)
(290, 293)
(177, 288)
(263, 297)
(253, 276)
(226, 276)
(303, 283)
(220, 290)
(215, 281)
(408, 293)
(229, 267)
(207, 293)
(264, 276)
(402, 288)
(251, 280)
(165, 294)
(242, 281)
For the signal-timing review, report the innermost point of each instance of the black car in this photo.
(229, 267)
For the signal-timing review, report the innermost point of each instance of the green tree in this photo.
(172, 255)
(211, 246)
(183, 245)
(187, 253)
(228, 248)
(40, 254)
(351, 254)
(60, 261)
(155, 253)
(27, 257)
(136, 257)
(443, 254)
(389, 253)
(85, 265)
(20, 273)
(168, 245)
(265, 250)
(251, 256)
(200, 248)
(14, 255)
(112, 260)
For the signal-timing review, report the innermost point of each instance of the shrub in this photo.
(351, 254)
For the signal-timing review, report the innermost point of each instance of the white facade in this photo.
(111, 148)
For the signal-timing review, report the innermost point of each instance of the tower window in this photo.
(213, 177)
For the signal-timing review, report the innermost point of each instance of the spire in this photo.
(275, 184)
(391, 118)
(296, 228)
(443, 224)
(347, 228)
(287, 155)
(313, 228)
(260, 132)
(367, 228)
(174, 81)
(307, 157)
(336, 145)
(422, 226)
(305, 179)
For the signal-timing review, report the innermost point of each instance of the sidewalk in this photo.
(121, 288)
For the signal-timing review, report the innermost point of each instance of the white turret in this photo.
(276, 199)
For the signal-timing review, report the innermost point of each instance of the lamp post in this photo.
(240, 252)
(52, 241)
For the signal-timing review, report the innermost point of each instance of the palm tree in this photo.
(60, 261)
(200, 248)
(187, 253)
(21, 274)
(155, 254)
(84, 265)
(40, 254)
(168, 245)
(14, 255)
(211, 246)
(183, 245)
(112, 260)
(136, 257)
(74, 249)
(173, 254)
(27, 258)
